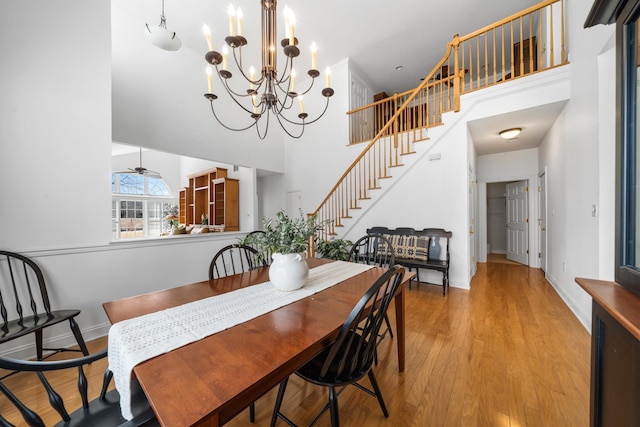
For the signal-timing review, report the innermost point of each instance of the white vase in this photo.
(288, 272)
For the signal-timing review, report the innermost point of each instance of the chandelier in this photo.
(271, 92)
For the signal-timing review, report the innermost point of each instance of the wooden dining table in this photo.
(210, 381)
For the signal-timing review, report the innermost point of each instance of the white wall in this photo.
(55, 167)
(578, 154)
(55, 124)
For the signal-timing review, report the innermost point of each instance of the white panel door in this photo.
(517, 222)
(542, 221)
(294, 204)
(360, 95)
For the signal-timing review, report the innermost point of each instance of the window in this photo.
(626, 14)
(139, 205)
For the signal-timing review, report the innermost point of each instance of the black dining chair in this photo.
(103, 411)
(250, 241)
(376, 250)
(234, 259)
(25, 307)
(350, 358)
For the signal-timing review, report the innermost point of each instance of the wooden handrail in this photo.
(412, 95)
(507, 49)
(508, 19)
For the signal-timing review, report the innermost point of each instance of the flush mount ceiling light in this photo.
(161, 37)
(510, 133)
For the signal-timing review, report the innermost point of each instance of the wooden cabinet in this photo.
(211, 196)
(225, 203)
(615, 354)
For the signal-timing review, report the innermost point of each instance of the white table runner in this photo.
(135, 340)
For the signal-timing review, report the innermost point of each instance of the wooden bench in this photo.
(419, 249)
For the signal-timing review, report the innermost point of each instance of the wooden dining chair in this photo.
(25, 307)
(104, 411)
(376, 250)
(350, 358)
(234, 259)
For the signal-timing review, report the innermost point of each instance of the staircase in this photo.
(522, 44)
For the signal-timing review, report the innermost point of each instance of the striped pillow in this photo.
(422, 248)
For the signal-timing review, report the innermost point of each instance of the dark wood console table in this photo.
(615, 354)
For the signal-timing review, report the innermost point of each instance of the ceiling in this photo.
(407, 33)
(534, 122)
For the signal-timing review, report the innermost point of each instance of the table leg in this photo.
(399, 303)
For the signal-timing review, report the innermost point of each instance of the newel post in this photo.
(459, 74)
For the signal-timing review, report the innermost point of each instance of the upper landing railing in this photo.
(527, 42)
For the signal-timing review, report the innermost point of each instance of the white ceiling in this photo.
(534, 122)
(378, 37)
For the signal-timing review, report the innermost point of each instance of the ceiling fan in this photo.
(141, 170)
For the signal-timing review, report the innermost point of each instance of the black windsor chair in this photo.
(24, 304)
(104, 411)
(350, 357)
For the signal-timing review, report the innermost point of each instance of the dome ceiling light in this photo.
(510, 133)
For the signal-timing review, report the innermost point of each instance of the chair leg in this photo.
(276, 409)
(333, 407)
(76, 333)
(376, 389)
(106, 379)
(252, 412)
(386, 319)
(39, 344)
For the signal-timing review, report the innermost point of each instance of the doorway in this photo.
(507, 212)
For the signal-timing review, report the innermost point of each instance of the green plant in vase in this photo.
(336, 249)
(287, 239)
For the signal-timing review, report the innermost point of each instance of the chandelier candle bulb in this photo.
(207, 35)
(287, 23)
(301, 104)
(293, 80)
(314, 51)
(252, 77)
(232, 14)
(292, 23)
(328, 73)
(210, 80)
(255, 105)
(239, 20)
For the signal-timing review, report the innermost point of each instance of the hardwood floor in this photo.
(507, 353)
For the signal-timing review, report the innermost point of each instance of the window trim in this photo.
(117, 198)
